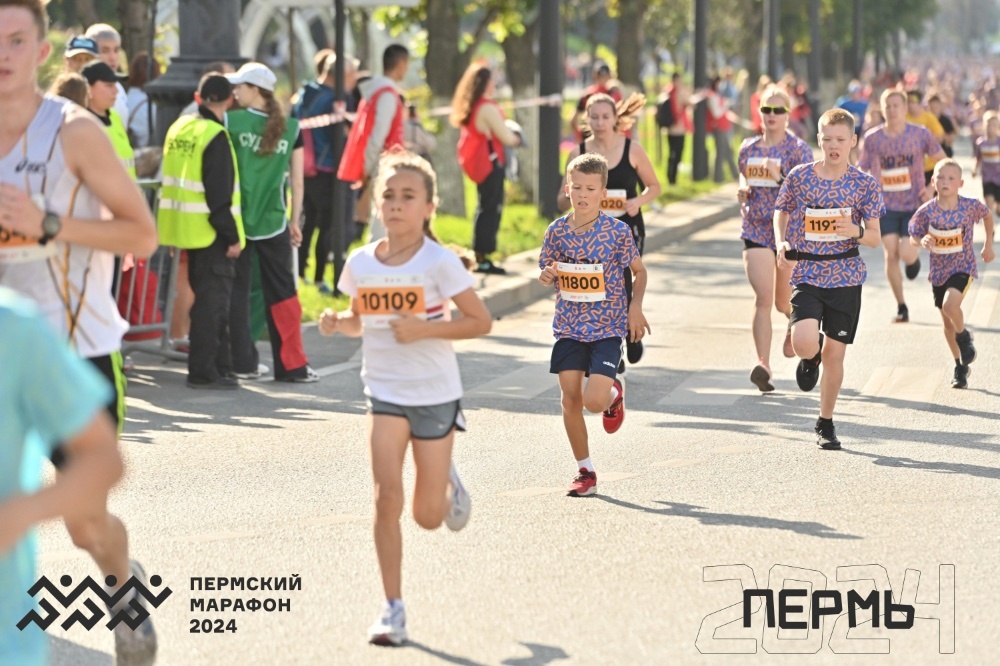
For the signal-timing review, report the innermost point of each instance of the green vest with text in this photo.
(119, 139)
(262, 177)
(183, 213)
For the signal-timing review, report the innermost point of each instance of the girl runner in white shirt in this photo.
(399, 288)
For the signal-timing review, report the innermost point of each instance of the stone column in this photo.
(209, 31)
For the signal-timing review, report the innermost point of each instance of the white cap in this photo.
(255, 74)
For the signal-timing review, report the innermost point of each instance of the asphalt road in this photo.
(274, 481)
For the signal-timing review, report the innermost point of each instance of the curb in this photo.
(672, 224)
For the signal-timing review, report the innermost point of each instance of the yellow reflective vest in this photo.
(182, 217)
(119, 139)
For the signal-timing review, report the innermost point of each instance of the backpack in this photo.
(137, 308)
(352, 163)
(665, 113)
(309, 169)
(476, 154)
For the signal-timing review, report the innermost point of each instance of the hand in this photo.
(988, 255)
(782, 262)
(359, 185)
(743, 194)
(632, 207)
(233, 251)
(12, 523)
(328, 322)
(408, 327)
(926, 194)
(845, 227)
(549, 275)
(928, 242)
(638, 327)
(296, 235)
(19, 213)
(773, 170)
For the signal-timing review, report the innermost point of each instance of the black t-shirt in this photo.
(946, 124)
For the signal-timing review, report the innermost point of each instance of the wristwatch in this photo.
(861, 231)
(51, 226)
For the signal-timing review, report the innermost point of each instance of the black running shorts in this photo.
(837, 309)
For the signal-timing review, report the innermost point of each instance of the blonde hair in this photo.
(776, 91)
(836, 117)
(889, 92)
(589, 164)
(948, 162)
(625, 111)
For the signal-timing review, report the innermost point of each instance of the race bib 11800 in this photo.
(581, 283)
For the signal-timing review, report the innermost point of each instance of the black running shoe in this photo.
(621, 367)
(902, 315)
(761, 379)
(807, 374)
(965, 347)
(826, 436)
(961, 378)
(913, 270)
(634, 351)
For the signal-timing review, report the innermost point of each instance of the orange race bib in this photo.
(581, 283)
(379, 297)
(946, 241)
(757, 175)
(990, 154)
(819, 224)
(17, 248)
(614, 204)
(896, 180)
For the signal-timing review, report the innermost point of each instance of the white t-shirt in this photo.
(419, 373)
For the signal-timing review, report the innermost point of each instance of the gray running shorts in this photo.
(428, 422)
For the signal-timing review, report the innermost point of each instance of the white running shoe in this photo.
(138, 647)
(257, 374)
(461, 503)
(390, 628)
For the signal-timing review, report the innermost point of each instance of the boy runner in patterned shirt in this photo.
(584, 257)
(944, 226)
(988, 160)
(894, 153)
(824, 211)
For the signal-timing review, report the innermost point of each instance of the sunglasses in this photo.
(777, 110)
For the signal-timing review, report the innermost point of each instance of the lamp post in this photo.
(209, 30)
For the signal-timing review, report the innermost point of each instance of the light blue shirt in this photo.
(47, 396)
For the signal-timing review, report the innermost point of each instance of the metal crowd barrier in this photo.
(149, 315)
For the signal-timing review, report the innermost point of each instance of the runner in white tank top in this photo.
(67, 205)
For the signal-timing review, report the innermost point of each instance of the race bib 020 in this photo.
(757, 175)
(581, 283)
(380, 297)
(896, 180)
(946, 241)
(819, 224)
(614, 204)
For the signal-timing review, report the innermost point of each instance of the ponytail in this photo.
(276, 123)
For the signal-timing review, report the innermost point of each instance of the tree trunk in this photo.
(752, 15)
(360, 20)
(444, 69)
(134, 17)
(521, 63)
(86, 12)
(629, 42)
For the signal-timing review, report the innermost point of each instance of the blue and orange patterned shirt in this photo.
(952, 229)
(897, 163)
(758, 211)
(988, 153)
(812, 204)
(608, 242)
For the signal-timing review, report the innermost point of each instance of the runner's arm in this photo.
(647, 174)
(988, 253)
(298, 184)
(91, 158)
(93, 467)
(873, 235)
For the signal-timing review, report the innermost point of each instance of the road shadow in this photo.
(439, 654)
(541, 655)
(939, 467)
(733, 520)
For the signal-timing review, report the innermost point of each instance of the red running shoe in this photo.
(615, 415)
(583, 485)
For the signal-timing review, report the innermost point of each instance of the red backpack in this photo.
(475, 150)
(352, 164)
(137, 306)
